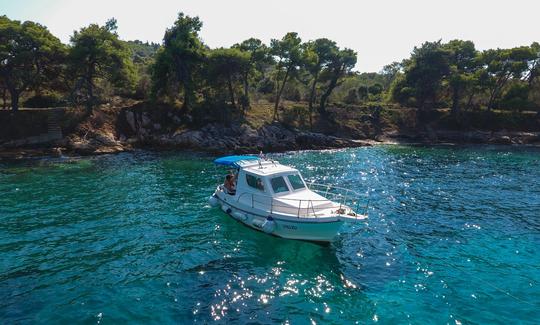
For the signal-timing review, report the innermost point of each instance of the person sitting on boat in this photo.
(260, 184)
(229, 184)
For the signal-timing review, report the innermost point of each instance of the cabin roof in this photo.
(266, 167)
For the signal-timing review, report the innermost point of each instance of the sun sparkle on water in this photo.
(451, 238)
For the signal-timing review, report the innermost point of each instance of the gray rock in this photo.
(528, 137)
(104, 140)
(176, 120)
(500, 139)
(130, 118)
(145, 120)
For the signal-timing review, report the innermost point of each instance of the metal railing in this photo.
(338, 200)
(342, 195)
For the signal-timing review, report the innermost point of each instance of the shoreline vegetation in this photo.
(100, 94)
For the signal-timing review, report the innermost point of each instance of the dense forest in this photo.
(37, 70)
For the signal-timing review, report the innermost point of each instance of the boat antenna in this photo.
(261, 158)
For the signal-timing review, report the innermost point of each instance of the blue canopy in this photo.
(232, 160)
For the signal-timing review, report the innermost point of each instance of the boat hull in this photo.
(312, 229)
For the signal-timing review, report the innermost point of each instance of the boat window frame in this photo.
(290, 183)
(287, 185)
(256, 177)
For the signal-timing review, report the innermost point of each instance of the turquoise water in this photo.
(453, 237)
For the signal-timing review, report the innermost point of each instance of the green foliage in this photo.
(45, 100)
(318, 56)
(502, 65)
(375, 89)
(213, 84)
(257, 51)
(293, 91)
(227, 66)
(389, 72)
(31, 57)
(455, 72)
(424, 74)
(179, 61)
(288, 54)
(142, 52)
(462, 64)
(98, 55)
(341, 64)
(517, 97)
(265, 86)
(258, 60)
(361, 83)
(352, 97)
(401, 92)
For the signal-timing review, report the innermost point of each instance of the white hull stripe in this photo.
(302, 220)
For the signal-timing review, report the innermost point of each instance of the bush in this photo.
(516, 98)
(45, 100)
(351, 97)
(375, 89)
(292, 93)
(266, 86)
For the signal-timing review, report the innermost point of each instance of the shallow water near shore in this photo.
(452, 237)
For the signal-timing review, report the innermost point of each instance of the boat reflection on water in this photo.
(266, 274)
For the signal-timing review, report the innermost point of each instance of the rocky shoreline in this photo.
(106, 133)
(213, 138)
(466, 137)
(140, 132)
(271, 138)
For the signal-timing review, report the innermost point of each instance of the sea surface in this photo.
(453, 237)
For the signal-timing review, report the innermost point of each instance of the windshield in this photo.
(255, 182)
(296, 181)
(279, 185)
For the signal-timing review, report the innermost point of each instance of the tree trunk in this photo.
(469, 101)
(498, 87)
(186, 103)
(187, 82)
(183, 77)
(231, 90)
(90, 101)
(280, 91)
(455, 102)
(312, 99)
(4, 98)
(491, 99)
(533, 74)
(90, 88)
(14, 94)
(328, 92)
(246, 91)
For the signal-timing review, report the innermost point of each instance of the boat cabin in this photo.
(259, 176)
(270, 186)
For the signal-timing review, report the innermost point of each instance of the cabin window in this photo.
(296, 181)
(279, 185)
(255, 182)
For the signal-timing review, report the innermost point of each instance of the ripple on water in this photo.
(451, 237)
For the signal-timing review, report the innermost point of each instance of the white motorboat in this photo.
(275, 199)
